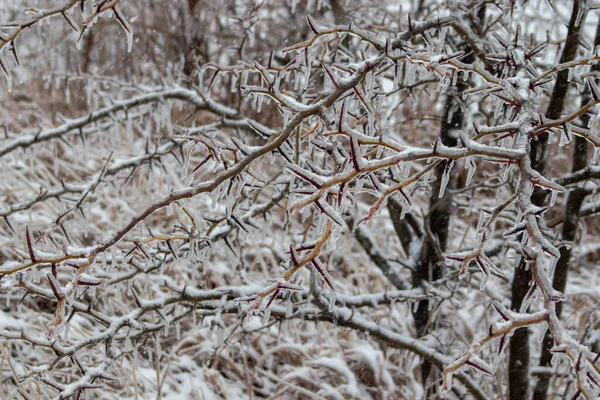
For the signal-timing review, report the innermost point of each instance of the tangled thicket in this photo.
(328, 199)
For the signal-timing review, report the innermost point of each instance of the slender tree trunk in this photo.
(429, 266)
(575, 198)
(518, 360)
(437, 222)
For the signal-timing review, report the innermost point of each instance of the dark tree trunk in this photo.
(434, 238)
(518, 361)
(429, 266)
(575, 198)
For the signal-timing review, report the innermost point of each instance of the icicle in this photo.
(397, 75)
(443, 85)
(553, 197)
(470, 170)
(566, 136)
(332, 299)
(445, 178)
(7, 75)
(540, 338)
(505, 172)
(498, 108)
(336, 232)
(234, 79)
(214, 197)
(525, 304)
(126, 27)
(426, 177)
(410, 74)
(266, 315)
(524, 239)
(593, 115)
(113, 255)
(66, 331)
(415, 306)
(289, 307)
(596, 155)
(67, 93)
(307, 71)
(405, 170)
(404, 211)
(296, 80)
(359, 186)
(259, 101)
(481, 221)
(570, 75)
(484, 280)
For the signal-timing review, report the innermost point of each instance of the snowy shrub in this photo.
(323, 199)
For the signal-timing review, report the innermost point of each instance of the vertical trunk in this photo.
(192, 48)
(569, 232)
(518, 361)
(437, 222)
(429, 267)
(339, 12)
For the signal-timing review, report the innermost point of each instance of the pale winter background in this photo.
(285, 199)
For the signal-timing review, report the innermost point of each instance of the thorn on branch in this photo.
(323, 272)
(29, 246)
(8, 224)
(435, 146)
(501, 310)
(341, 119)
(13, 49)
(23, 394)
(170, 246)
(479, 367)
(596, 358)
(594, 90)
(354, 153)
(592, 379)
(331, 77)
(55, 286)
(3, 68)
(136, 297)
(273, 297)
(501, 344)
(311, 24)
